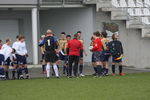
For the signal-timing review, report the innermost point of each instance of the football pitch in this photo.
(135, 86)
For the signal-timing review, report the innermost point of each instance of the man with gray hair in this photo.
(50, 53)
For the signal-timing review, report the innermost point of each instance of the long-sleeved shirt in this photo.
(6, 51)
(97, 45)
(115, 47)
(74, 47)
(15, 45)
(21, 48)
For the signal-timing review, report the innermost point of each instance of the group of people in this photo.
(67, 50)
(71, 51)
(103, 49)
(14, 55)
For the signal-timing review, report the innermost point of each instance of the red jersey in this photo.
(74, 47)
(97, 45)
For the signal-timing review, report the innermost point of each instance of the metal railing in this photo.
(60, 2)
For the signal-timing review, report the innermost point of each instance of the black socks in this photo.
(43, 68)
(99, 70)
(113, 69)
(81, 69)
(120, 69)
(26, 70)
(95, 69)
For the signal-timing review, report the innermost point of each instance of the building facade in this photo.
(33, 17)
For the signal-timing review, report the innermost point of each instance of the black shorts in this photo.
(2, 59)
(97, 56)
(50, 56)
(61, 56)
(7, 61)
(81, 53)
(22, 59)
(105, 56)
(15, 60)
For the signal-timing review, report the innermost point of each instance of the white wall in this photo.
(9, 29)
(24, 26)
(70, 20)
(136, 49)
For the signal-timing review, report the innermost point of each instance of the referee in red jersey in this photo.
(74, 47)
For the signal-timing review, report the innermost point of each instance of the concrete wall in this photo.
(25, 27)
(70, 21)
(136, 49)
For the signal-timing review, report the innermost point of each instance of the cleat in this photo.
(21, 77)
(27, 77)
(107, 74)
(81, 75)
(121, 74)
(113, 74)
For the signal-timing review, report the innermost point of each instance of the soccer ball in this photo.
(91, 47)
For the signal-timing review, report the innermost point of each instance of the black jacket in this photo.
(115, 48)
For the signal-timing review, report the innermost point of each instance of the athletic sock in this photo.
(106, 72)
(48, 70)
(67, 70)
(20, 72)
(99, 70)
(64, 69)
(6, 74)
(103, 70)
(113, 68)
(56, 70)
(120, 69)
(81, 69)
(95, 69)
(2, 72)
(43, 68)
(13, 73)
(26, 70)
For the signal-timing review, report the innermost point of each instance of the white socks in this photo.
(56, 70)
(48, 70)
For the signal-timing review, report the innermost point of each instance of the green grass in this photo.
(129, 87)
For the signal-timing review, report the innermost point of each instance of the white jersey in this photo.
(6, 51)
(21, 48)
(5, 45)
(15, 45)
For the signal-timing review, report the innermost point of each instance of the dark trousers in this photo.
(75, 60)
